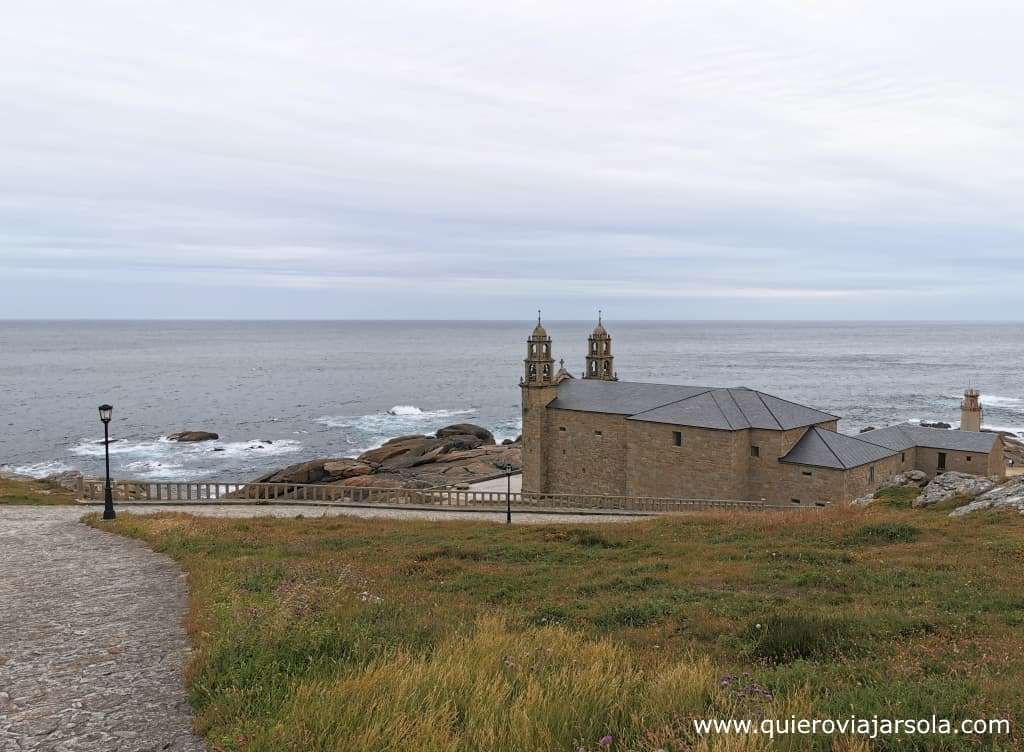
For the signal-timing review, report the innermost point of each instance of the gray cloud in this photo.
(390, 159)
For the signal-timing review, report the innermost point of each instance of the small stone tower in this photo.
(970, 411)
(539, 387)
(600, 361)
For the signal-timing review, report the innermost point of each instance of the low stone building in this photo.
(599, 435)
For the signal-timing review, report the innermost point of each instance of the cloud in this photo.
(781, 159)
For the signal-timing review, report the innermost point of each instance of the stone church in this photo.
(599, 435)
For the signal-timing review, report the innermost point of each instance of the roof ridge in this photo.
(759, 393)
(725, 415)
(760, 397)
(673, 402)
(829, 446)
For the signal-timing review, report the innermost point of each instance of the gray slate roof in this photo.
(823, 448)
(906, 435)
(701, 407)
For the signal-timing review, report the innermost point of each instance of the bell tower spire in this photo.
(600, 361)
(539, 363)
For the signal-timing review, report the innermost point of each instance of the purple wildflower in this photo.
(605, 741)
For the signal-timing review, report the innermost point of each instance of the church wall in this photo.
(535, 442)
(710, 464)
(581, 461)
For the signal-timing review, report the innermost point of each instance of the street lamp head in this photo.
(105, 412)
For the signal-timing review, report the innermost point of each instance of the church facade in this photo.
(600, 435)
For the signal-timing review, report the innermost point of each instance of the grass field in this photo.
(351, 634)
(22, 492)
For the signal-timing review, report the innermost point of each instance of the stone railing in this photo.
(192, 492)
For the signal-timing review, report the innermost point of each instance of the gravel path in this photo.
(91, 639)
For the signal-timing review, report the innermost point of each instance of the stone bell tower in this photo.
(600, 361)
(539, 387)
(970, 411)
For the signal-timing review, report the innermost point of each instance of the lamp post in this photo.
(508, 493)
(108, 493)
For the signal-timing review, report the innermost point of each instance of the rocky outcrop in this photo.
(953, 485)
(935, 424)
(1010, 495)
(466, 429)
(1013, 449)
(455, 455)
(193, 436)
(910, 478)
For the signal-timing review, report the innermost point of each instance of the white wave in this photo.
(38, 469)
(405, 410)
(363, 432)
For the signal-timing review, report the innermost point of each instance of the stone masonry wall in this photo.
(710, 464)
(589, 456)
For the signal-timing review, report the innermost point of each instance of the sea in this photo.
(281, 392)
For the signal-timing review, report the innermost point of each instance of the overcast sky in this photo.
(477, 159)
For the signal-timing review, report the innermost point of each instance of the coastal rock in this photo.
(303, 472)
(934, 424)
(909, 478)
(466, 429)
(393, 448)
(869, 428)
(193, 436)
(346, 468)
(372, 481)
(863, 501)
(70, 479)
(1010, 495)
(950, 485)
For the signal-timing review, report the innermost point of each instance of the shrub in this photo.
(783, 638)
(885, 532)
(897, 496)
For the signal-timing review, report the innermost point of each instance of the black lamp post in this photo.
(108, 493)
(508, 493)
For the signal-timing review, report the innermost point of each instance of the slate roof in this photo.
(823, 448)
(907, 435)
(701, 407)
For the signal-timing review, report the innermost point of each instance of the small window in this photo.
(903, 456)
(942, 460)
(795, 501)
(755, 451)
(561, 428)
(807, 473)
(677, 438)
(968, 458)
(598, 434)
(871, 474)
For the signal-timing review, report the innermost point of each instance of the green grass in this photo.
(33, 492)
(897, 497)
(354, 634)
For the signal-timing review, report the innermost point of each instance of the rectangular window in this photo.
(871, 474)
(795, 501)
(807, 473)
(903, 456)
(968, 458)
(942, 460)
(598, 433)
(677, 438)
(561, 428)
(755, 451)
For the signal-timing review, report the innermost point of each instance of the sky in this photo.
(480, 160)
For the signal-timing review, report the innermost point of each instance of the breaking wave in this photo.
(362, 432)
(38, 469)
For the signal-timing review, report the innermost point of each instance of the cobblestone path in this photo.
(91, 639)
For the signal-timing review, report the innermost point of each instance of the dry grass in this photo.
(22, 492)
(360, 634)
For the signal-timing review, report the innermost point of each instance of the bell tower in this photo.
(970, 411)
(539, 388)
(600, 361)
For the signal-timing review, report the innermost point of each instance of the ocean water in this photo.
(283, 392)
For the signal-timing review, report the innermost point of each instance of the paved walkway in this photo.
(91, 639)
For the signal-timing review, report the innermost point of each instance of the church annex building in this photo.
(599, 435)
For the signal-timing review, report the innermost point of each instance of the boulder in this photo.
(70, 479)
(371, 481)
(934, 424)
(869, 428)
(909, 478)
(193, 436)
(303, 472)
(463, 429)
(949, 485)
(346, 468)
(506, 442)
(1010, 495)
(394, 448)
